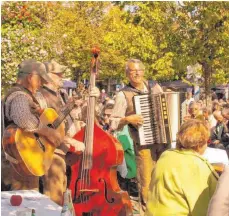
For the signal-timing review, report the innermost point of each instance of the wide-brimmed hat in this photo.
(30, 66)
(54, 67)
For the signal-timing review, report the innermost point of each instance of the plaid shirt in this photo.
(20, 108)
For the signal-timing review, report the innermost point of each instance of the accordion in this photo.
(162, 114)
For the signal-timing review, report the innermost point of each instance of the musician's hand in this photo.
(77, 147)
(94, 92)
(135, 119)
(72, 145)
(54, 137)
(50, 134)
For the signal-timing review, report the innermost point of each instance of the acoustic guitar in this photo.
(29, 153)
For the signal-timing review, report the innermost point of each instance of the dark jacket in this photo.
(221, 133)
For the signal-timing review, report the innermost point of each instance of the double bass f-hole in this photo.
(87, 193)
(84, 194)
(105, 191)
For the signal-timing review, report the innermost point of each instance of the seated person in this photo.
(194, 112)
(183, 182)
(209, 118)
(225, 114)
(220, 135)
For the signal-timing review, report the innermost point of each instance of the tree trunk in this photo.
(77, 76)
(108, 85)
(207, 73)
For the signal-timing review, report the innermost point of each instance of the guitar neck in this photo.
(62, 115)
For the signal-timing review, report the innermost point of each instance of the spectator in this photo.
(103, 95)
(222, 102)
(105, 115)
(216, 106)
(209, 118)
(201, 105)
(225, 112)
(183, 182)
(220, 135)
(188, 100)
(214, 96)
(194, 112)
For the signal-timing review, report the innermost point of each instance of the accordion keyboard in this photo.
(156, 128)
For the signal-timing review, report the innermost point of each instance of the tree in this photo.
(20, 37)
(167, 37)
(202, 30)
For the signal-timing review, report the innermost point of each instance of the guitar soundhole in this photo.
(50, 125)
(41, 145)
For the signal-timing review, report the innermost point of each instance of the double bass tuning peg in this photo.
(95, 51)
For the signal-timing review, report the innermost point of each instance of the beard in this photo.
(137, 80)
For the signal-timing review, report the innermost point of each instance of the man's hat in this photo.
(54, 67)
(30, 65)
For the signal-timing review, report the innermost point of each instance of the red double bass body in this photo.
(101, 196)
(94, 185)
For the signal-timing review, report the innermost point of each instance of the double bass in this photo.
(94, 186)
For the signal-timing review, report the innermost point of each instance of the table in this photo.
(31, 199)
(214, 156)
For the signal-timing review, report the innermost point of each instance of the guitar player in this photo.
(51, 96)
(22, 109)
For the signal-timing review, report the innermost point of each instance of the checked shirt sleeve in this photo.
(20, 113)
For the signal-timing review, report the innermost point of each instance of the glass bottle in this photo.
(70, 205)
(68, 209)
(33, 212)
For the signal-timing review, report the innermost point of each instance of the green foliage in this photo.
(21, 30)
(165, 36)
(202, 29)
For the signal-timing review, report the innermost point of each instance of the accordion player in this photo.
(162, 114)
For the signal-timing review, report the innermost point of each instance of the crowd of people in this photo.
(163, 181)
(215, 117)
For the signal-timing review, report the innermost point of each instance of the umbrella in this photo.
(69, 84)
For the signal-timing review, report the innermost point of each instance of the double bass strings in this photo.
(85, 175)
(82, 183)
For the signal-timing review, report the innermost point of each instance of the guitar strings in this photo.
(62, 116)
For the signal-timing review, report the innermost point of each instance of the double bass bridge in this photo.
(85, 194)
(89, 191)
